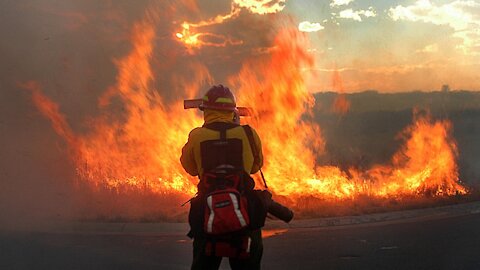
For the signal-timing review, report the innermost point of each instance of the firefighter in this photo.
(200, 157)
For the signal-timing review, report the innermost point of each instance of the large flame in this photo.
(276, 89)
(139, 149)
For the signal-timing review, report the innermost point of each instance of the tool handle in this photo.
(196, 103)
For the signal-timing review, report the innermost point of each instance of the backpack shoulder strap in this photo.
(220, 127)
(251, 140)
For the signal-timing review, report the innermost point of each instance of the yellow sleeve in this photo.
(188, 157)
(258, 144)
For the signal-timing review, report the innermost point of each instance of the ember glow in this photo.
(192, 36)
(192, 39)
(140, 149)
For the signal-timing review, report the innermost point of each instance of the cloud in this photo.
(461, 15)
(355, 15)
(340, 2)
(307, 26)
(350, 14)
(261, 6)
(431, 48)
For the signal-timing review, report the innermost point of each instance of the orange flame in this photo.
(276, 89)
(139, 149)
(51, 111)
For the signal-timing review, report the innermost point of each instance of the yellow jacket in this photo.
(191, 156)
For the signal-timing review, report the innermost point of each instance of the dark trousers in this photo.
(203, 262)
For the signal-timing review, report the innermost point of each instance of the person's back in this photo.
(223, 154)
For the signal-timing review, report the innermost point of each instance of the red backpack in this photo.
(226, 207)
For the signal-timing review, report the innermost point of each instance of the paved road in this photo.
(439, 243)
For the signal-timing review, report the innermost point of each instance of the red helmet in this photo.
(219, 97)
